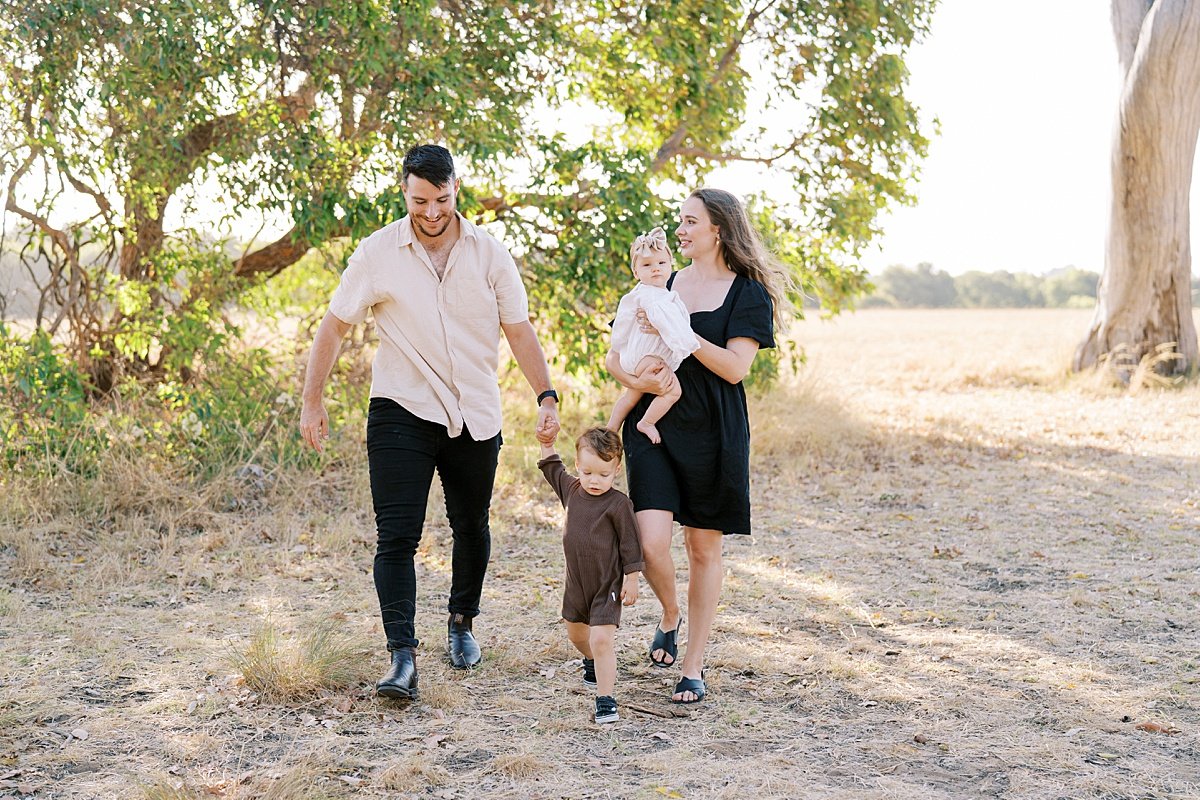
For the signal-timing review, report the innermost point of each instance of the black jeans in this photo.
(403, 450)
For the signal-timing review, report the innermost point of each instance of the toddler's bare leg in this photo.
(658, 407)
(601, 643)
(580, 635)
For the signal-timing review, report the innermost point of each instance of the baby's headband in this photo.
(654, 240)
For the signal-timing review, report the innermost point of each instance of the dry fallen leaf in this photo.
(80, 733)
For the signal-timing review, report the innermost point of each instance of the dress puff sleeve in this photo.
(752, 315)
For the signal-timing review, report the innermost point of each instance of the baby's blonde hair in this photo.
(648, 243)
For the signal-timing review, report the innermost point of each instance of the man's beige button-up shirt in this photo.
(438, 339)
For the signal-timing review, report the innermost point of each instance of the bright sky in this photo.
(1026, 93)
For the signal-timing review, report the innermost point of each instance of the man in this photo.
(441, 291)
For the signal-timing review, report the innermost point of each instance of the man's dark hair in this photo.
(430, 162)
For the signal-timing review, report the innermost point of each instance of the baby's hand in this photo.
(643, 322)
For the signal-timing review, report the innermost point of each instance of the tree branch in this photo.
(60, 238)
(275, 257)
(724, 158)
(672, 146)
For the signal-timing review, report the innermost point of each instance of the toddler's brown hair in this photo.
(601, 441)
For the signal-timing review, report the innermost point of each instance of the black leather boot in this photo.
(401, 678)
(460, 643)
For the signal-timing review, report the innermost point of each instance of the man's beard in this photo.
(437, 233)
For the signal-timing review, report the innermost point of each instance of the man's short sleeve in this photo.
(355, 293)
(511, 299)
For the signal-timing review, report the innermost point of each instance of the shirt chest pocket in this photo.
(473, 303)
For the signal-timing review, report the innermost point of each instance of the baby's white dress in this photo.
(675, 340)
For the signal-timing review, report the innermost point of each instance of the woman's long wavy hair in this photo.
(745, 252)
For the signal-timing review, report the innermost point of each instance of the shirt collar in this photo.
(404, 232)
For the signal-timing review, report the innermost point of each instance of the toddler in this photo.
(600, 542)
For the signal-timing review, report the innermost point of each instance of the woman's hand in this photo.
(655, 380)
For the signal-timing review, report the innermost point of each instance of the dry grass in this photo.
(321, 658)
(973, 575)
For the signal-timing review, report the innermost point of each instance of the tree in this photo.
(1144, 298)
(1070, 288)
(305, 108)
(1000, 289)
(923, 287)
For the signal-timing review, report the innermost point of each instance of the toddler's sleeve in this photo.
(557, 476)
(627, 537)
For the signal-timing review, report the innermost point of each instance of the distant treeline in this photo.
(926, 287)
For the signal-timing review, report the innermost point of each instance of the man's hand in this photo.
(629, 589)
(547, 427)
(314, 425)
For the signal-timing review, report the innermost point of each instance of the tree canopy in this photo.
(122, 118)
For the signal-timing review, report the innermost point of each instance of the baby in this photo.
(604, 558)
(639, 351)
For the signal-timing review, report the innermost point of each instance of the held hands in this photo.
(629, 589)
(547, 426)
(314, 425)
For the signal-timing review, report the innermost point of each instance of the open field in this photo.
(972, 576)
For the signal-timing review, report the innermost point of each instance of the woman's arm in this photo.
(731, 362)
(656, 380)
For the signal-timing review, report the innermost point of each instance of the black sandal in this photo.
(693, 685)
(665, 641)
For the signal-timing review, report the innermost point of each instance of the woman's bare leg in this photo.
(705, 574)
(654, 533)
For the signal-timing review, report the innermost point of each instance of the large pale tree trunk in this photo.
(1144, 298)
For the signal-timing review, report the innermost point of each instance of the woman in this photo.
(700, 474)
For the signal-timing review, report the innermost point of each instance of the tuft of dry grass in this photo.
(168, 790)
(413, 770)
(520, 765)
(288, 669)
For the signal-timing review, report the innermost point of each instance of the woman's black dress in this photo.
(701, 470)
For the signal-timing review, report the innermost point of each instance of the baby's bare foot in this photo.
(650, 431)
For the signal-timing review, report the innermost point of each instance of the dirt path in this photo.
(971, 577)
